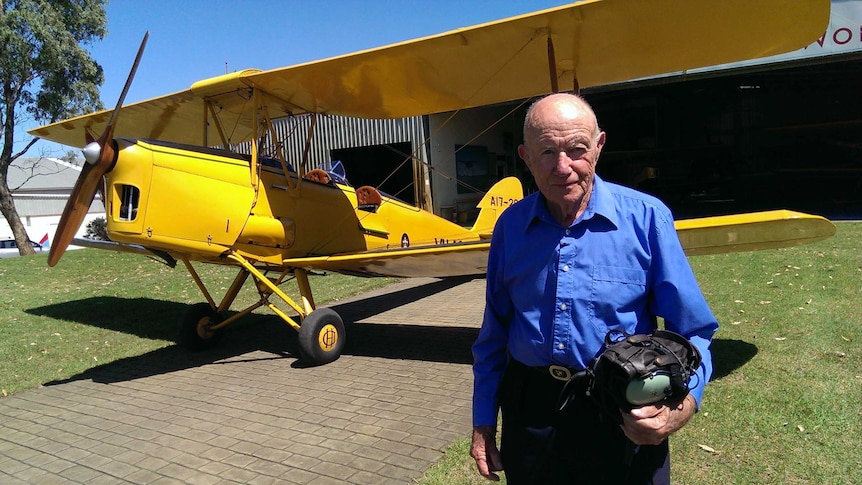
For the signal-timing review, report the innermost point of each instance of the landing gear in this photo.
(196, 331)
(321, 336)
(321, 331)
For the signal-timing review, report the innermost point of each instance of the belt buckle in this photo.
(560, 373)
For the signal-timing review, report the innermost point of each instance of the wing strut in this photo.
(552, 70)
(552, 66)
(217, 121)
(308, 143)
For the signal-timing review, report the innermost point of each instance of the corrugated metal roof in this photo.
(41, 186)
(42, 175)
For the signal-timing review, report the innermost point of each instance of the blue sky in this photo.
(191, 40)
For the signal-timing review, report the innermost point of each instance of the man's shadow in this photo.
(729, 355)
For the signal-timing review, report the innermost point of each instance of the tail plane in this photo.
(503, 194)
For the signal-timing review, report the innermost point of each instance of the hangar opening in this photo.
(778, 138)
(388, 167)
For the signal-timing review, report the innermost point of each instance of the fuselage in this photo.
(202, 202)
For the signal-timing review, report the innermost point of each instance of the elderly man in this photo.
(568, 264)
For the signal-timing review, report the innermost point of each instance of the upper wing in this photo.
(594, 43)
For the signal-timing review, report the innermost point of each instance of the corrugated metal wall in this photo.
(38, 205)
(335, 132)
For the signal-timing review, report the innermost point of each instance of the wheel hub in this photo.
(205, 328)
(328, 337)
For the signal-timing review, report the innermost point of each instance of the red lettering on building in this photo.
(821, 40)
(842, 36)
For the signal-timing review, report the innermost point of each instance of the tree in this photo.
(45, 75)
(97, 229)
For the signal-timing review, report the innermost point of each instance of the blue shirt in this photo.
(554, 292)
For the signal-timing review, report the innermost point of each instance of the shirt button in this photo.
(567, 232)
(561, 346)
(563, 307)
(565, 267)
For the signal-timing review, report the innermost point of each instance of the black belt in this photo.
(558, 372)
(572, 384)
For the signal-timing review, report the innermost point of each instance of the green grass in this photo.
(785, 403)
(455, 468)
(95, 307)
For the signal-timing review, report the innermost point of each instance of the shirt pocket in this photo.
(618, 298)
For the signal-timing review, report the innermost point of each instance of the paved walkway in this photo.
(248, 412)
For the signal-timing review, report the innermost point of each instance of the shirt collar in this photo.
(602, 204)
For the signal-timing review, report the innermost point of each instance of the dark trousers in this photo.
(581, 445)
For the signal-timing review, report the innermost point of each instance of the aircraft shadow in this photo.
(265, 333)
(111, 313)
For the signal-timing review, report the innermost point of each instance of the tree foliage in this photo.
(46, 74)
(97, 229)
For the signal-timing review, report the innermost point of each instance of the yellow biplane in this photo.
(182, 175)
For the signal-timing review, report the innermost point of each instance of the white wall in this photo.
(37, 227)
(466, 128)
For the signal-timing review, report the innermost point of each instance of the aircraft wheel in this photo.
(321, 336)
(195, 333)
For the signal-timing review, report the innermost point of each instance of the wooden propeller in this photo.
(100, 156)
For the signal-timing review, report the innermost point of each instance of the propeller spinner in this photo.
(100, 156)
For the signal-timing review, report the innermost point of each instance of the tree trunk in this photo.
(7, 207)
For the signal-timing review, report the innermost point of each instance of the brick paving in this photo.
(250, 412)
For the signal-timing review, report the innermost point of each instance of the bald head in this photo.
(567, 105)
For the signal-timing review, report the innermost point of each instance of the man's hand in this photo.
(650, 425)
(484, 450)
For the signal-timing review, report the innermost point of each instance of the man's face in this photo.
(561, 150)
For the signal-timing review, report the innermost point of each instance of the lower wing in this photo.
(751, 232)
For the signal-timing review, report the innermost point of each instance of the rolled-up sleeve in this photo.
(677, 298)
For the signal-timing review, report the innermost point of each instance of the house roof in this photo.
(42, 175)
(41, 186)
